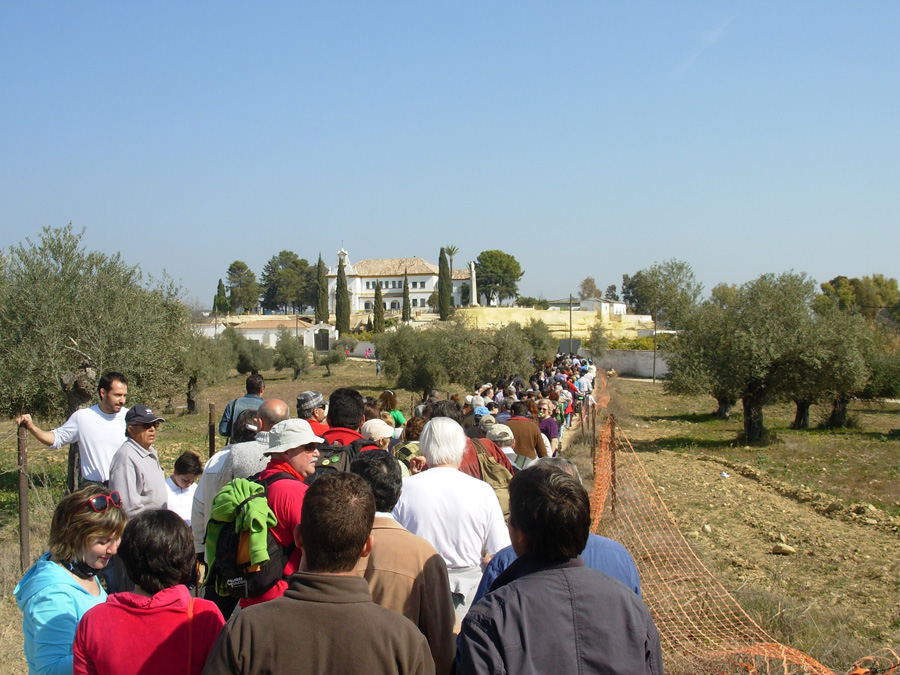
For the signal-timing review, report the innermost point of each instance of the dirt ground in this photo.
(836, 596)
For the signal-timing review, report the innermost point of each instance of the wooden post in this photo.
(24, 543)
(611, 426)
(212, 429)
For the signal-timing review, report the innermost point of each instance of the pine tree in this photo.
(406, 313)
(321, 292)
(378, 314)
(342, 302)
(444, 287)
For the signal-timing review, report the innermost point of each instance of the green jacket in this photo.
(255, 518)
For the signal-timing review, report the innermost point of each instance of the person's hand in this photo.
(25, 420)
(416, 465)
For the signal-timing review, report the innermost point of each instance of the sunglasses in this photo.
(101, 502)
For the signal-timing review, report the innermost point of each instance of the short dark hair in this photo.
(553, 512)
(240, 432)
(345, 408)
(188, 464)
(446, 408)
(158, 550)
(255, 383)
(371, 411)
(381, 471)
(520, 409)
(110, 377)
(335, 521)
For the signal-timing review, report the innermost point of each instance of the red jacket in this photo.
(131, 633)
(344, 436)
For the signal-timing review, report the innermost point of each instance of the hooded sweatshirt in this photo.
(52, 603)
(155, 633)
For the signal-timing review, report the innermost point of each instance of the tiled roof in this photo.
(385, 267)
(273, 322)
(461, 275)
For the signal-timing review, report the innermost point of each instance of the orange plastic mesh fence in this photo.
(702, 627)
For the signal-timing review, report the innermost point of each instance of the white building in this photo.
(364, 277)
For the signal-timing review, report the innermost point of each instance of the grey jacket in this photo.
(558, 618)
(136, 475)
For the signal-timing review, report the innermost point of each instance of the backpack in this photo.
(230, 571)
(494, 474)
(338, 457)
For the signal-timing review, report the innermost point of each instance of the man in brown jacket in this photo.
(404, 571)
(326, 621)
(528, 435)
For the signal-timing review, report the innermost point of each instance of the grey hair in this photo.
(443, 442)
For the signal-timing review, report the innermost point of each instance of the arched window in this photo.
(395, 305)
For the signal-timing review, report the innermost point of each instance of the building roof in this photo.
(274, 322)
(394, 267)
(384, 267)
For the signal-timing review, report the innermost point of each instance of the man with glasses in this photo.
(135, 472)
(293, 451)
(312, 407)
(136, 475)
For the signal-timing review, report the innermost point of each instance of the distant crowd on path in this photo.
(455, 540)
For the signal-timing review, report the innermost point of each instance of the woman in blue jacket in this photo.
(62, 585)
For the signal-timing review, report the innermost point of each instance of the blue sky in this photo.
(584, 138)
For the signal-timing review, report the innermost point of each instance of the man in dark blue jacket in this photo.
(548, 612)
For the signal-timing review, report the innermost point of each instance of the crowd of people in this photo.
(457, 539)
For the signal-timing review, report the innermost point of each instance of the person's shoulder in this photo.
(599, 543)
(391, 623)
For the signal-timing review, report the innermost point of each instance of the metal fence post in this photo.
(24, 531)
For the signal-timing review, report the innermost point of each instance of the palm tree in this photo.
(451, 251)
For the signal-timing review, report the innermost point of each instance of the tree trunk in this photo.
(724, 409)
(801, 417)
(77, 387)
(753, 418)
(192, 396)
(838, 417)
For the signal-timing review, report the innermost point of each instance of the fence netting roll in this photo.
(702, 627)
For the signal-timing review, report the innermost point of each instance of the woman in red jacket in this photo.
(159, 627)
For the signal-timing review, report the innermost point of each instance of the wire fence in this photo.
(702, 627)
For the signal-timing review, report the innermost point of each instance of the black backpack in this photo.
(230, 572)
(338, 457)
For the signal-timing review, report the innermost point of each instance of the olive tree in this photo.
(67, 310)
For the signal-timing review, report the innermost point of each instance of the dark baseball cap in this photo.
(141, 414)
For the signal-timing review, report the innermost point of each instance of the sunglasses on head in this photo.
(101, 502)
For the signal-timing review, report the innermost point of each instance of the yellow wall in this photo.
(557, 321)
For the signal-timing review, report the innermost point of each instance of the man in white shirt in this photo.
(458, 514)
(98, 430)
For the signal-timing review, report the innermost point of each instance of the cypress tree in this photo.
(342, 302)
(406, 312)
(321, 292)
(444, 287)
(378, 314)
